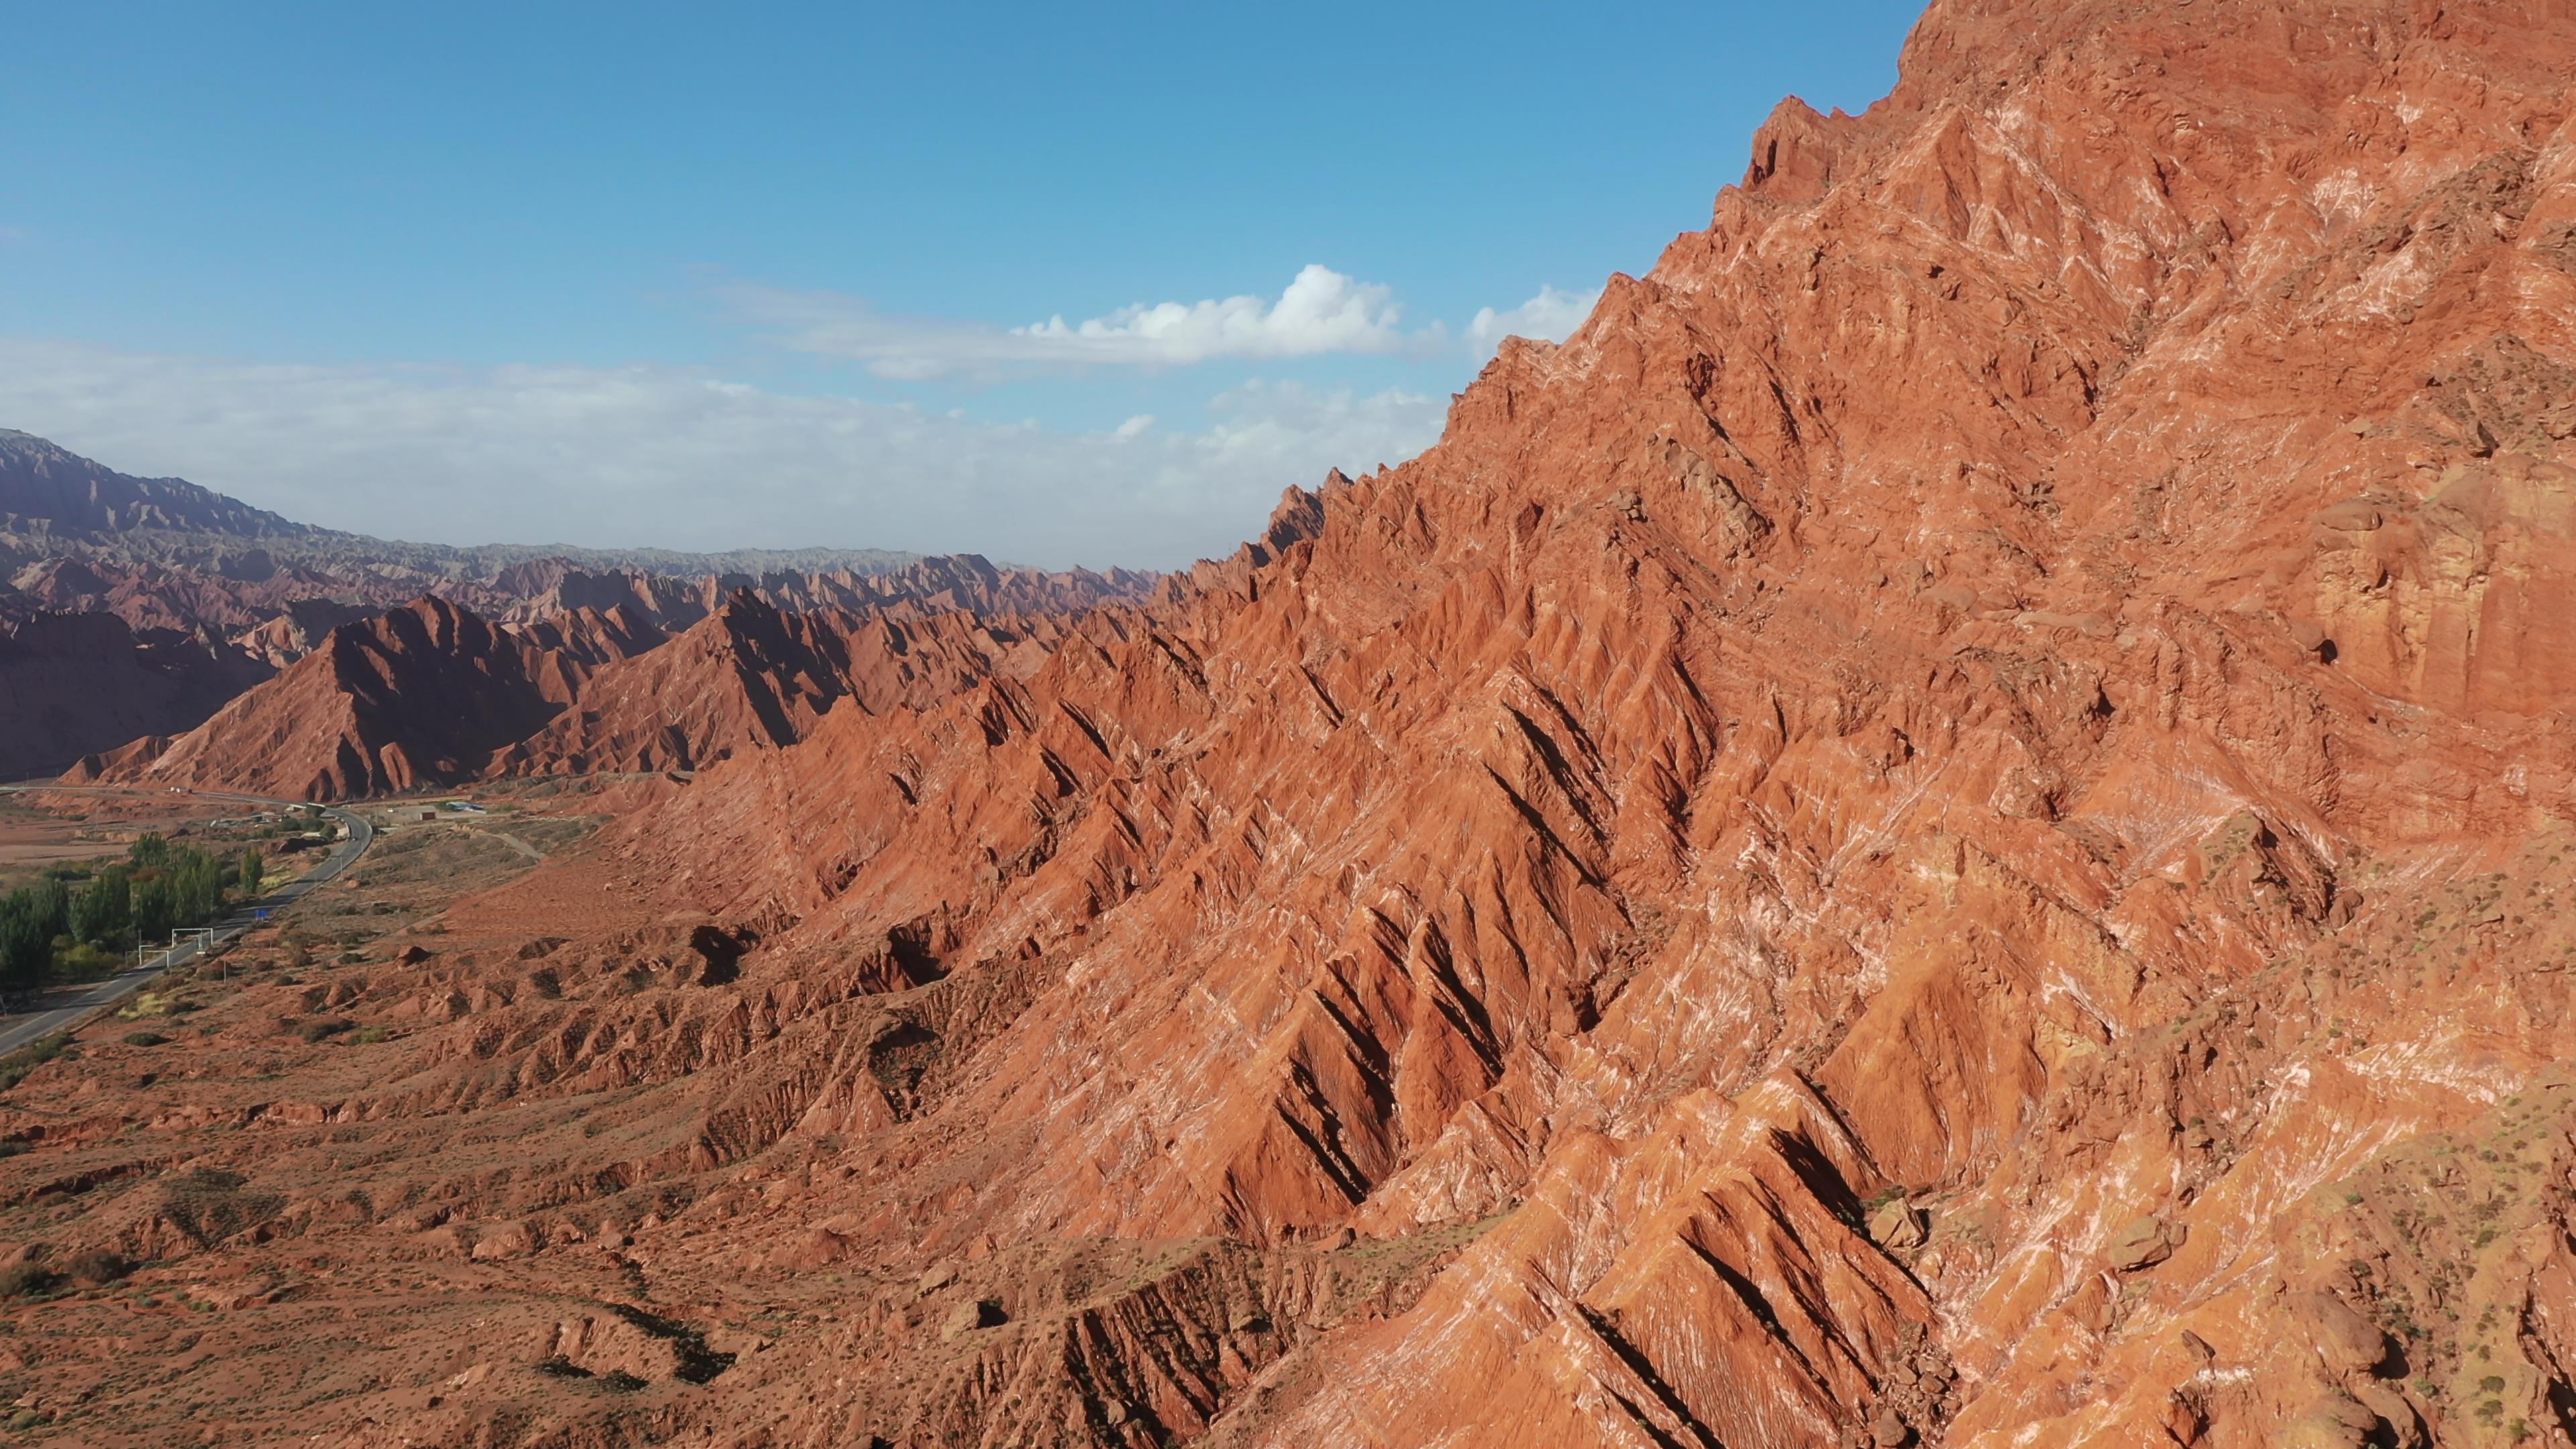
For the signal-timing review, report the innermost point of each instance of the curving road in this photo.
(33, 1026)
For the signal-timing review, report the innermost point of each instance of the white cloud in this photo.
(1551, 314)
(1321, 311)
(669, 457)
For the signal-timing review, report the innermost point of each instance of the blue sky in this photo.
(787, 275)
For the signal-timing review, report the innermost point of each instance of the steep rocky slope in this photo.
(414, 697)
(174, 560)
(433, 694)
(1951, 825)
(280, 611)
(46, 489)
(70, 681)
(753, 677)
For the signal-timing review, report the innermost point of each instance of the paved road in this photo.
(23, 1029)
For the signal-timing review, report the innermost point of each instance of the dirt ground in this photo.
(162, 1128)
(41, 830)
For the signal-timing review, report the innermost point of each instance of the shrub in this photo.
(324, 1028)
(144, 1038)
(210, 1204)
(147, 1003)
(88, 961)
(16, 1065)
(97, 1267)
(26, 1280)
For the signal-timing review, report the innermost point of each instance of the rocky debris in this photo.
(623, 1339)
(509, 1240)
(2333, 1421)
(1899, 1226)
(2345, 1341)
(419, 1219)
(970, 1316)
(2143, 1243)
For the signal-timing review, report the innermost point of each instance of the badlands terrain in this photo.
(135, 608)
(1952, 825)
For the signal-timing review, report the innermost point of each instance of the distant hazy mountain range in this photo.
(133, 609)
(55, 502)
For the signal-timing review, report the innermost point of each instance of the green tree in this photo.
(156, 909)
(30, 918)
(103, 912)
(196, 885)
(252, 872)
(149, 853)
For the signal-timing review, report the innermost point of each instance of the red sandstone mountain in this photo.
(433, 694)
(1945, 694)
(49, 490)
(1951, 825)
(172, 559)
(414, 697)
(751, 677)
(967, 582)
(68, 681)
(278, 611)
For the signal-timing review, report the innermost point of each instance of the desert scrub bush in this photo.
(146, 1003)
(144, 1038)
(27, 1280)
(324, 1028)
(97, 1267)
(370, 1035)
(16, 1065)
(210, 1205)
